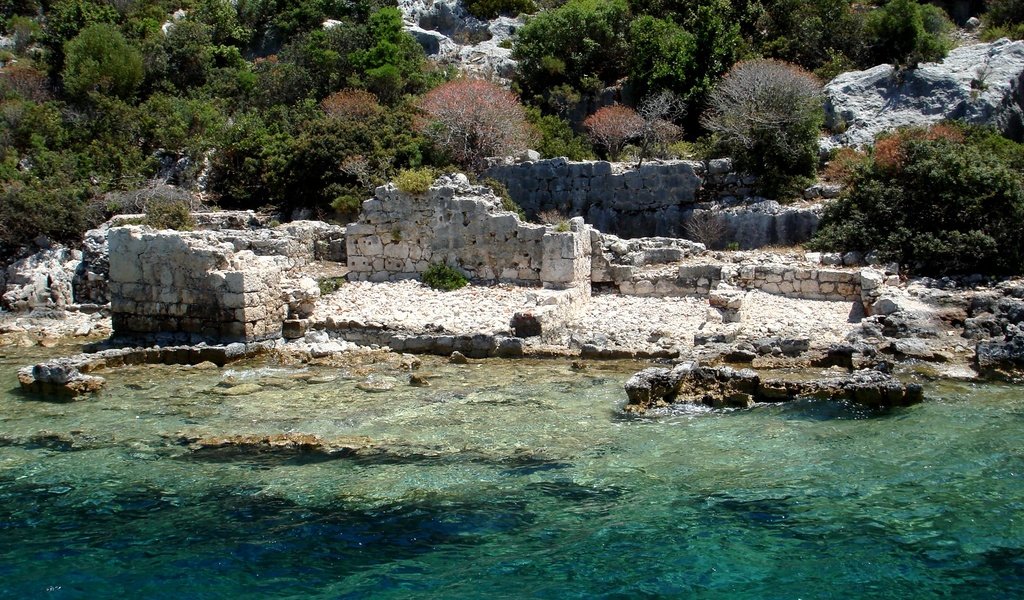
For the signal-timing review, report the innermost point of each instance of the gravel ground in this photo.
(608, 319)
(825, 322)
(414, 306)
(636, 322)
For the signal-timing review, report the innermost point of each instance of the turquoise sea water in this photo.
(505, 480)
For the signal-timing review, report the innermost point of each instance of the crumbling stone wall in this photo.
(797, 282)
(192, 287)
(299, 241)
(399, 235)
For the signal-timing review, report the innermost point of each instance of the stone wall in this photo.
(192, 287)
(299, 242)
(798, 282)
(399, 235)
(780, 279)
(651, 200)
(656, 199)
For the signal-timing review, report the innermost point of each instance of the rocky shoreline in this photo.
(241, 286)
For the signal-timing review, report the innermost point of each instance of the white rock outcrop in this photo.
(979, 84)
(42, 280)
(451, 36)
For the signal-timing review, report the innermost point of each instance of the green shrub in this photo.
(1005, 12)
(490, 9)
(1013, 31)
(415, 181)
(169, 215)
(100, 60)
(906, 33)
(329, 285)
(442, 277)
(686, 58)
(556, 137)
(586, 39)
(347, 204)
(942, 200)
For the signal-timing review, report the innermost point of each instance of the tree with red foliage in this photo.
(612, 126)
(472, 119)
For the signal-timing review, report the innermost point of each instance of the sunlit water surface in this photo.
(506, 480)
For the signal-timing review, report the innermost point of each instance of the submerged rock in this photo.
(728, 387)
(298, 443)
(1002, 358)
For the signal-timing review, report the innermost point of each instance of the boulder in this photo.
(61, 378)
(655, 385)
(979, 84)
(1001, 358)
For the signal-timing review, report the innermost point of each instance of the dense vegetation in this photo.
(945, 199)
(302, 107)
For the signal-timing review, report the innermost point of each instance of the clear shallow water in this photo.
(505, 480)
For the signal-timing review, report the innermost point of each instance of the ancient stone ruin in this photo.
(399, 235)
(213, 286)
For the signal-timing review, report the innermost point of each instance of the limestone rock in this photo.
(450, 35)
(42, 280)
(980, 84)
(61, 377)
(884, 306)
(278, 443)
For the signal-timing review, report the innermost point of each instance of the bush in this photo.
(767, 115)
(556, 137)
(329, 285)
(490, 9)
(351, 104)
(100, 60)
(612, 127)
(415, 181)
(579, 41)
(686, 59)
(442, 277)
(905, 33)
(1005, 12)
(939, 201)
(815, 34)
(169, 215)
(991, 33)
(471, 119)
